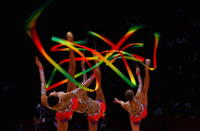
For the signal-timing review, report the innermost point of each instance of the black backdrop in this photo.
(175, 79)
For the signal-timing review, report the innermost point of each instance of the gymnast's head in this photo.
(53, 99)
(129, 94)
(70, 36)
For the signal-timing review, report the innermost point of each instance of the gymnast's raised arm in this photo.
(43, 82)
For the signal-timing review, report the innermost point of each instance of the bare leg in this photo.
(99, 96)
(72, 64)
(62, 125)
(135, 127)
(99, 92)
(146, 85)
(92, 126)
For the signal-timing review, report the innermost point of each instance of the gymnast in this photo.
(74, 99)
(136, 105)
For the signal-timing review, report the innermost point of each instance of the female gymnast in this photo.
(136, 105)
(74, 99)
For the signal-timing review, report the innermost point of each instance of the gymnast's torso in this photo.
(85, 104)
(133, 107)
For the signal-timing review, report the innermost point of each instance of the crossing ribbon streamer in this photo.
(108, 57)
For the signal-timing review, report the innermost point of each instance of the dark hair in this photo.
(52, 100)
(129, 94)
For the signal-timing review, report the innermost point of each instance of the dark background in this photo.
(174, 84)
